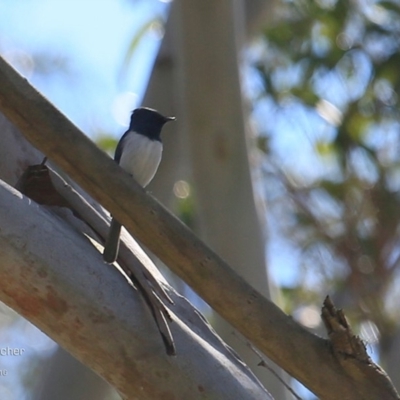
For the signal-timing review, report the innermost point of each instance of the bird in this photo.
(139, 153)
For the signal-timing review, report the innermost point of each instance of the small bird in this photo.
(139, 153)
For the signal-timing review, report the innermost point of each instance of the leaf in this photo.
(135, 43)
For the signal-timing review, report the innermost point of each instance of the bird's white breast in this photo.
(141, 157)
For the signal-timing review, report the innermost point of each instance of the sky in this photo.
(91, 38)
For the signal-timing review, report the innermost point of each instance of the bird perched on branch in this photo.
(139, 153)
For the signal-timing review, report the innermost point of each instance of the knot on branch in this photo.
(342, 338)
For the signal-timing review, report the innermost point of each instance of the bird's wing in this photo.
(118, 150)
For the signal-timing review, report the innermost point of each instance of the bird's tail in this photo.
(111, 248)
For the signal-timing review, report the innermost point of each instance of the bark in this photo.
(308, 358)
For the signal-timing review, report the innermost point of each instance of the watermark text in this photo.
(11, 351)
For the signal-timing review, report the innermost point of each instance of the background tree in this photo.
(197, 77)
(328, 72)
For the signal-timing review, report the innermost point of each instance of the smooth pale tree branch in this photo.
(303, 355)
(54, 276)
(45, 186)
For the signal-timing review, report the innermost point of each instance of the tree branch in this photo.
(55, 277)
(46, 187)
(303, 355)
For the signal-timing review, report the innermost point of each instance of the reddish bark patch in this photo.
(56, 303)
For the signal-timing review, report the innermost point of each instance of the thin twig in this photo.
(264, 363)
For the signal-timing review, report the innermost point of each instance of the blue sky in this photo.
(94, 37)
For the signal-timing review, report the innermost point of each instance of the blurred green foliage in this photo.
(106, 142)
(339, 62)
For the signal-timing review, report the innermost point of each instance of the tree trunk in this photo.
(212, 117)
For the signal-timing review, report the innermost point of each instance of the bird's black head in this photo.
(148, 122)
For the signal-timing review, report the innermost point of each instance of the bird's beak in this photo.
(167, 119)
